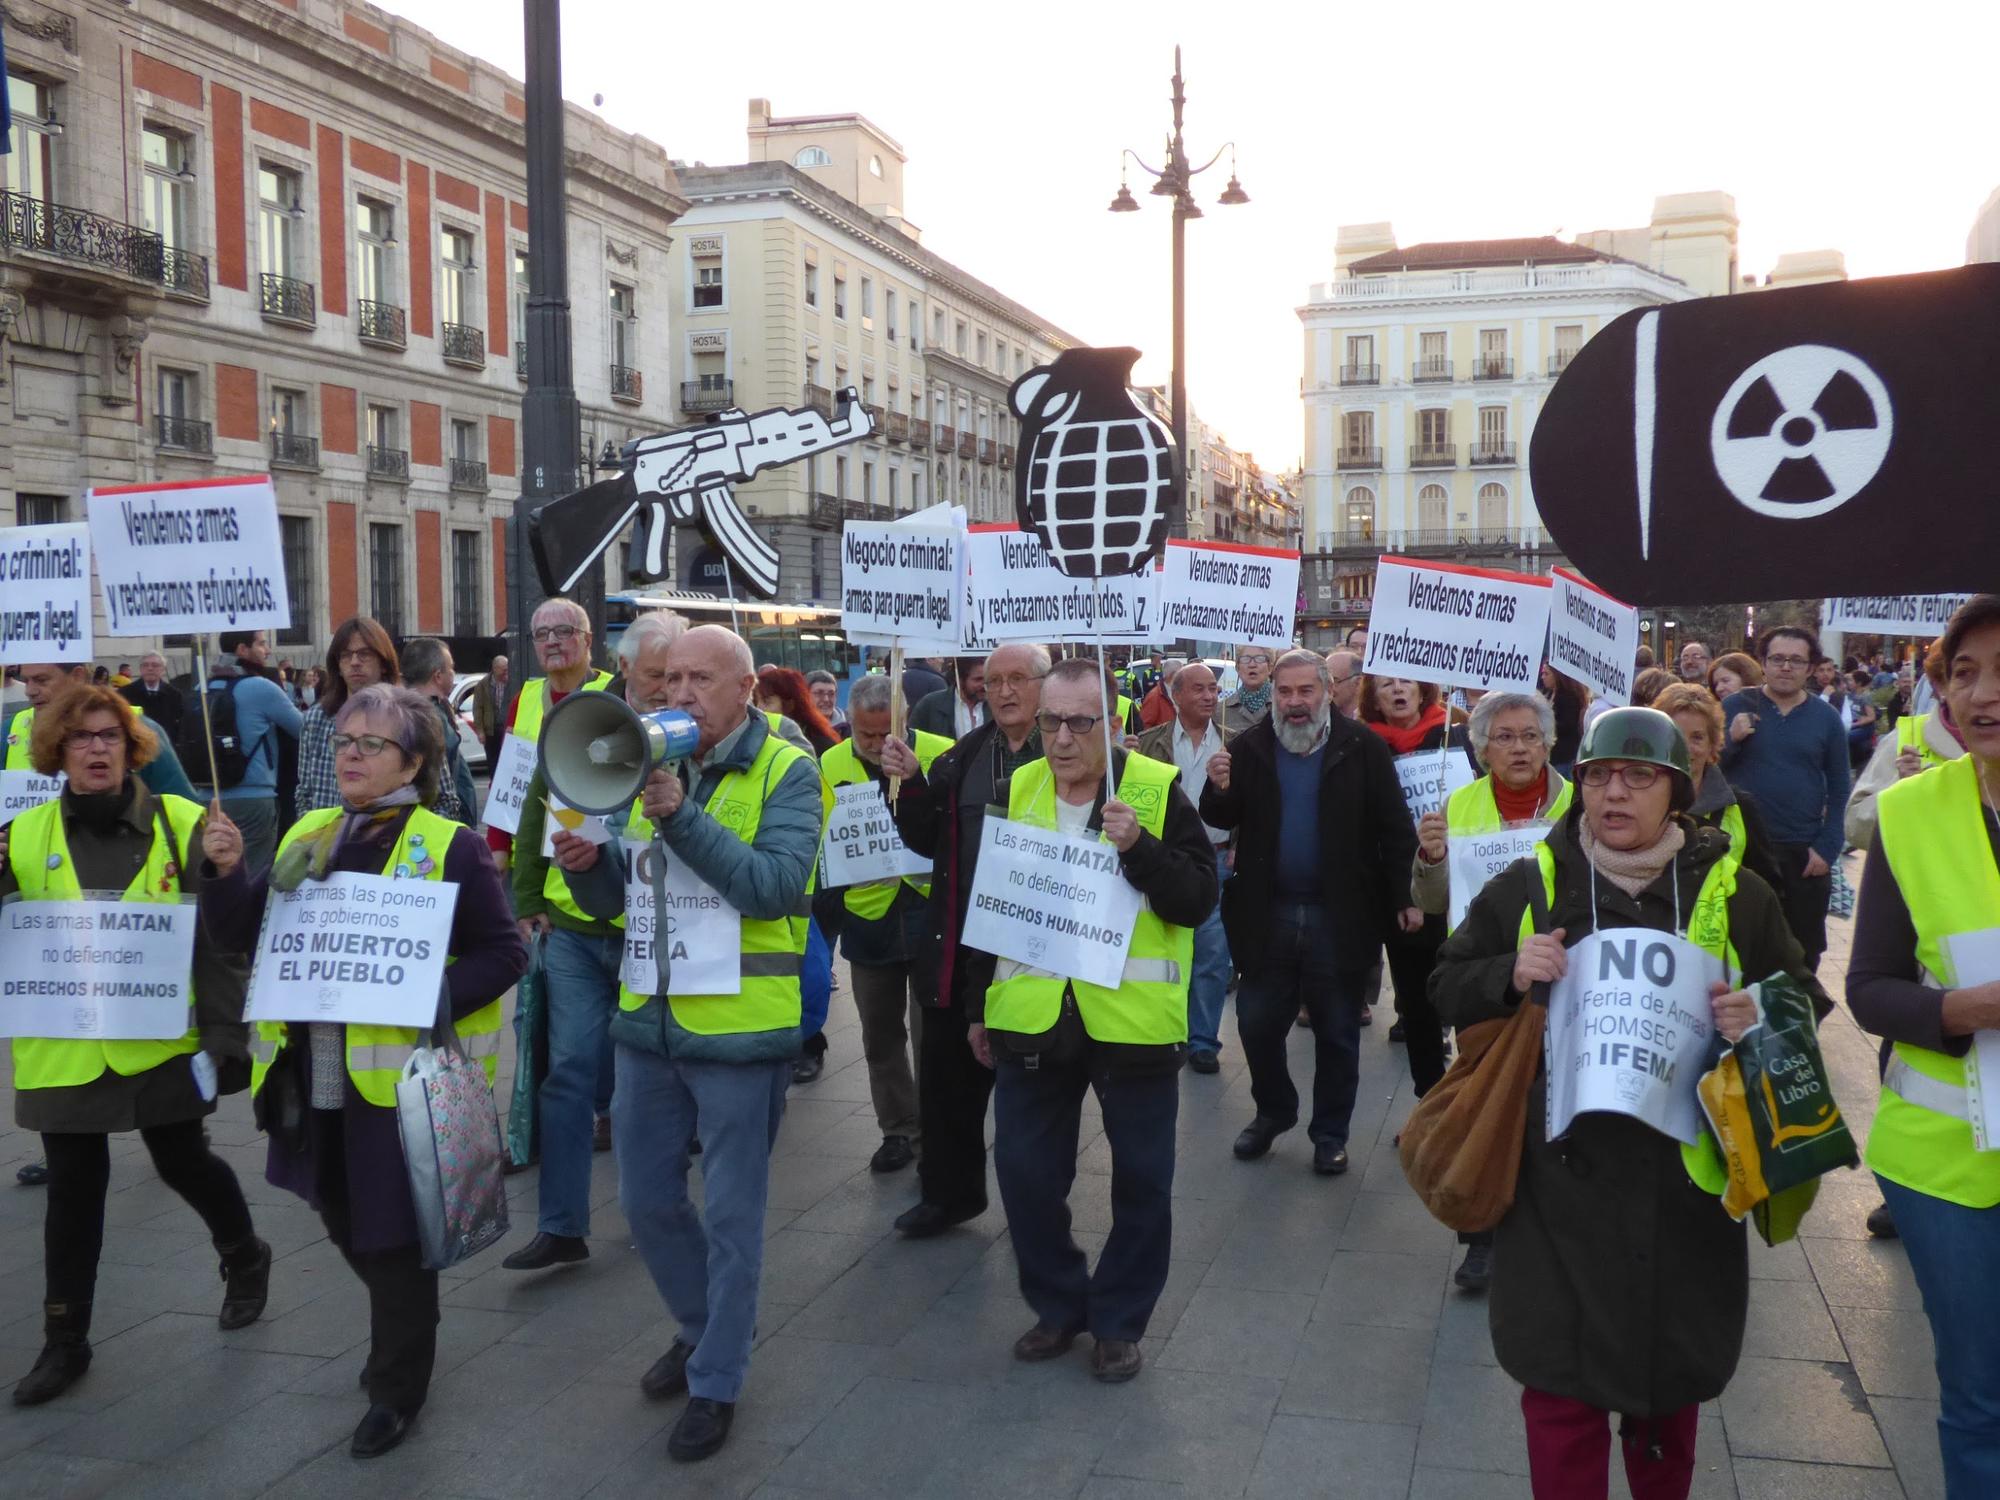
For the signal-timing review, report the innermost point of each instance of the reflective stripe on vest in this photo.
(38, 853)
(528, 724)
(1933, 835)
(376, 1054)
(840, 766)
(773, 952)
(1149, 1006)
(1910, 736)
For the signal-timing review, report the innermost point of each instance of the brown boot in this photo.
(1043, 1342)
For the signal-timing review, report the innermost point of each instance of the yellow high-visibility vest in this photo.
(840, 766)
(528, 724)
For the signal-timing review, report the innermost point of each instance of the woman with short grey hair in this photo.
(1484, 711)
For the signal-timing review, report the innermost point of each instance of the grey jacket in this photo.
(765, 879)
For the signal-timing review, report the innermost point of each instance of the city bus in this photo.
(805, 636)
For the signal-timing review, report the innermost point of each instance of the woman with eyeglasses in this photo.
(1620, 1284)
(360, 656)
(1716, 803)
(345, 1158)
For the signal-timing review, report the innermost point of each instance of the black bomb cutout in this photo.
(1096, 471)
(1822, 440)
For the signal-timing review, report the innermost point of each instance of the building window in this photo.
(1433, 427)
(1492, 427)
(1492, 508)
(177, 396)
(840, 476)
(875, 166)
(981, 346)
(278, 207)
(1493, 353)
(374, 234)
(708, 281)
(385, 576)
(895, 483)
(464, 440)
(916, 322)
(958, 337)
(812, 284)
(1357, 431)
(30, 162)
(1433, 509)
(889, 307)
(40, 510)
(867, 302)
(1361, 350)
(1360, 515)
(624, 326)
(461, 291)
(295, 536)
(839, 295)
(1569, 339)
(867, 482)
(813, 156)
(168, 182)
(468, 615)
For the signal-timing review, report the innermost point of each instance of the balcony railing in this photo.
(989, 451)
(1492, 367)
(1492, 453)
(1358, 458)
(627, 384)
(920, 432)
(381, 323)
(389, 463)
(820, 399)
(85, 239)
(710, 393)
(184, 274)
(828, 511)
(968, 444)
(944, 438)
(1434, 455)
(184, 434)
(294, 450)
(468, 474)
(1427, 371)
(1360, 374)
(283, 300)
(1006, 455)
(520, 359)
(464, 345)
(897, 428)
(1560, 362)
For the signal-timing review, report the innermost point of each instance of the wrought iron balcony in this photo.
(821, 400)
(520, 359)
(1560, 362)
(710, 393)
(968, 444)
(1492, 453)
(920, 432)
(294, 450)
(1434, 455)
(184, 434)
(468, 474)
(389, 463)
(1492, 367)
(1358, 458)
(989, 451)
(897, 428)
(627, 384)
(464, 345)
(1360, 374)
(944, 438)
(83, 239)
(381, 324)
(284, 300)
(1428, 371)
(184, 274)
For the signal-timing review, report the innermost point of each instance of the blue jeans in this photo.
(1299, 968)
(1953, 1250)
(581, 979)
(1208, 990)
(707, 1263)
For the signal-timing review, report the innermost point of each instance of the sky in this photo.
(1863, 129)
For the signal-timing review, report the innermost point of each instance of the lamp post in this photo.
(1176, 181)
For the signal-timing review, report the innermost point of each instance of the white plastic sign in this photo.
(1053, 901)
(1015, 593)
(1460, 627)
(1429, 778)
(1221, 591)
(101, 968)
(173, 559)
(21, 790)
(862, 844)
(1923, 615)
(902, 582)
(560, 817)
(513, 769)
(704, 933)
(45, 593)
(1476, 858)
(362, 948)
(1593, 637)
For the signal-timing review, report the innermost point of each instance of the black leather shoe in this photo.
(547, 1250)
(892, 1155)
(1329, 1158)
(668, 1377)
(1475, 1272)
(1043, 1343)
(807, 1068)
(1396, 1032)
(246, 1286)
(1882, 1223)
(1115, 1361)
(1257, 1137)
(58, 1367)
(927, 1219)
(703, 1428)
(1204, 1062)
(382, 1429)
(34, 1174)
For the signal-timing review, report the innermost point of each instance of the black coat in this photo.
(937, 713)
(1366, 842)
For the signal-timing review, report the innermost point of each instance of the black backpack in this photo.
(193, 742)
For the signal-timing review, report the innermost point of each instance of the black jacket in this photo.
(937, 713)
(164, 707)
(1366, 841)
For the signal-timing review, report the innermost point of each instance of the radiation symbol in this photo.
(1801, 431)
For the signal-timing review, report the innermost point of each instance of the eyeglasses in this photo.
(1078, 725)
(370, 745)
(1337, 681)
(1637, 777)
(1507, 739)
(89, 739)
(1014, 682)
(1253, 661)
(546, 633)
(358, 653)
(1792, 662)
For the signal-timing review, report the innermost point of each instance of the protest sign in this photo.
(1476, 858)
(361, 948)
(513, 769)
(101, 968)
(1460, 627)
(1429, 779)
(174, 559)
(1220, 591)
(902, 582)
(1593, 637)
(1015, 593)
(1975, 959)
(861, 840)
(1054, 901)
(21, 790)
(45, 593)
(704, 932)
(560, 817)
(1922, 615)
(1628, 1031)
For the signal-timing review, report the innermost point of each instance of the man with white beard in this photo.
(1324, 844)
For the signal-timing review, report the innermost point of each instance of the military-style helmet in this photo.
(1645, 735)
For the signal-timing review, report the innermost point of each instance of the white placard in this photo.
(1476, 858)
(558, 815)
(1430, 777)
(1592, 637)
(1460, 627)
(902, 582)
(862, 844)
(1221, 591)
(21, 790)
(512, 771)
(1628, 1031)
(1051, 900)
(45, 593)
(704, 932)
(100, 968)
(1975, 959)
(364, 948)
(173, 559)
(1014, 593)
(1923, 615)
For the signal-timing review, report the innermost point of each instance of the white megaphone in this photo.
(597, 750)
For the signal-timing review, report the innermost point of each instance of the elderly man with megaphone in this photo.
(735, 817)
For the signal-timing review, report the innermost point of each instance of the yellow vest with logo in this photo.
(1149, 1007)
(1474, 809)
(38, 853)
(1910, 736)
(840, 766)
(528, 724)
(376, 1054)
(19, 728)
(1934, 836)
(773, 951)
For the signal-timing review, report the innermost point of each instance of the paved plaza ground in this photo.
(1310, 1341)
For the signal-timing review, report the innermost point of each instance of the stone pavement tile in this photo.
(1237, 1331)
(1464, 1484)
(866, 1203)
(793, 1383)
(24, 1426)
(852, 1137)
(189, 1283)
(498, 1387)
(807, 1114)
(107, 1320)
(1789, 1320)
(966, 1338)
(1472, 1420)
(1202, 1226)
(882, 1295)
(144, 1245)
(600, 1317)
(1775, 1479)
(1464, 1328)
(1865, 1273)
(527, 1292)
(1260, 1257)
(198, 1395)
(799, 1264)
(1786, 1262)
(1360, 1373)
(1303, 1454)
(564, 1447)
(145, 1353)
(263, 1444)
(43, 1475)
(1381, 1221)
(799, 1182)
(740, 1469)
(1892, 1351)
(1801, 1409)
(1910, 1429)
(1842, 1208)
(1714, 1475)
(20, 1247)
(1373, 1286)
(421, 1466)
(1111, 1487)
(1177, 1426)
(325, 1328)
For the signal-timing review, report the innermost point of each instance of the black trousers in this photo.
(402, 1295)
(80, 1176)
(1410, 965)
(1803, 898)
(952, 1091)
(1298, 968)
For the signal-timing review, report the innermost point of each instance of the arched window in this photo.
(1360, 514)
(813, 156)
(1433, 509)
(1492, 509)
(875, 166)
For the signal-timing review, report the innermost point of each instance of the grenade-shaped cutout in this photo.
(1096, 471)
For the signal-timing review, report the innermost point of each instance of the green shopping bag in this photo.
(531, 1062)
